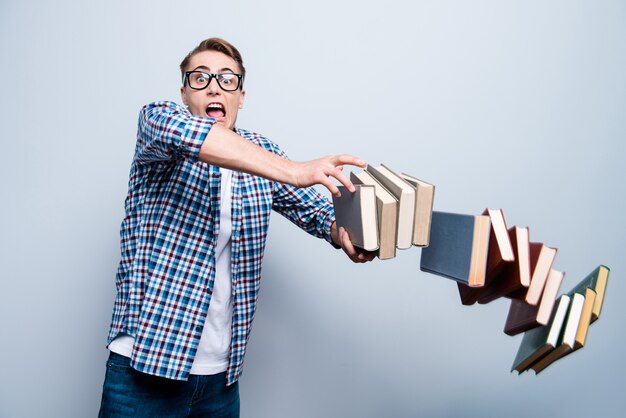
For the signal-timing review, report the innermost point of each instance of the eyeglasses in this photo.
(199, 80)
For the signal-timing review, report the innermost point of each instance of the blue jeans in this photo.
(129, 393)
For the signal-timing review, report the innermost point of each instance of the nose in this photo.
(213, 88)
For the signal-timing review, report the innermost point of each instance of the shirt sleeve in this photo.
(167, 131)
(305, 207)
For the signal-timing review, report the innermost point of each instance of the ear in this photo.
(183, 96)
(242, 98)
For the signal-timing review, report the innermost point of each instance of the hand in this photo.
(341, 238)
(321, 170)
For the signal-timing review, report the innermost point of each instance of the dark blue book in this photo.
(458, 247)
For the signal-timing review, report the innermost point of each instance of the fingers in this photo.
(356, 255)
(346, 159)
(328, 183)
(346, 244)
(343, 179)
(323, 170)
(338, 161)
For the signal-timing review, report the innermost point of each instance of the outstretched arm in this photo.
(224, 148)
(167, 131)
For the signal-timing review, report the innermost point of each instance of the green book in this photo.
(569, 333)
(597, 281)
(540, 341)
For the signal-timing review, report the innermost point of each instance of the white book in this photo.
(553, 284)
(356, 212)
(387, 212)
(405, 194)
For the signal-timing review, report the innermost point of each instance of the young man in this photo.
(200, 195)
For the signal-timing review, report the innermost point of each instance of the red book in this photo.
(515, 276)
(524, 316)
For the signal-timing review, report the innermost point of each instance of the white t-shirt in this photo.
(214, 346)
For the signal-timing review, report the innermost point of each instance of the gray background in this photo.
(517, 105)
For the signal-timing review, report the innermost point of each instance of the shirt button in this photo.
(198, 328)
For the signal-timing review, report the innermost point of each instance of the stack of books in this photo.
(490, 261)
(388, 211)
(487, 259)
(566, 330)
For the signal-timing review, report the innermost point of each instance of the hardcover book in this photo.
(596, 280)
(424, 199)
(386, 211)
(524, 316)
(538, 342)
(500, 254)
(500, 248)
(567, 340)
(541, 258)
(405, 194)
(515, 276)
(585, 319)
(458, 247)
(356, 212)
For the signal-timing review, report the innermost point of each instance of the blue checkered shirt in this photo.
(168, 236)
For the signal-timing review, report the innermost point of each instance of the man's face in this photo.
(213, 101)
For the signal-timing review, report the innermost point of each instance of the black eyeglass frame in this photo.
(211, 77)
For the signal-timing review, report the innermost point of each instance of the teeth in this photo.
(215, 106)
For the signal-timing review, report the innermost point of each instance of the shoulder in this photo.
(164, 106)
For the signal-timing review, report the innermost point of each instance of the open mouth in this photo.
(215, 110)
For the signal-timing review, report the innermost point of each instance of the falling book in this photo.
(405, 193)
(516, 275)
(571, 338)
(500, 254)
(596, 280)
(541, 258)
(458, 247)
(386, 211)
(524, 316)
(585, 318)
(538, 342)
(356, 212)
(424, 198)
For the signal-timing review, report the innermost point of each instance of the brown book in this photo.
(524, 316)
(516, 275)
(424, 198)
(541, 259)
(500, 253)
(585, 318)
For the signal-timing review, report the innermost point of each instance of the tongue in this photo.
(215, 113)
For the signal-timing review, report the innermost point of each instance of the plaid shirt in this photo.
(168, 236)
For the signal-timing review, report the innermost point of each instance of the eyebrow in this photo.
(205, 68)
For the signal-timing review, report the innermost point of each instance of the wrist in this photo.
(334, 235)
